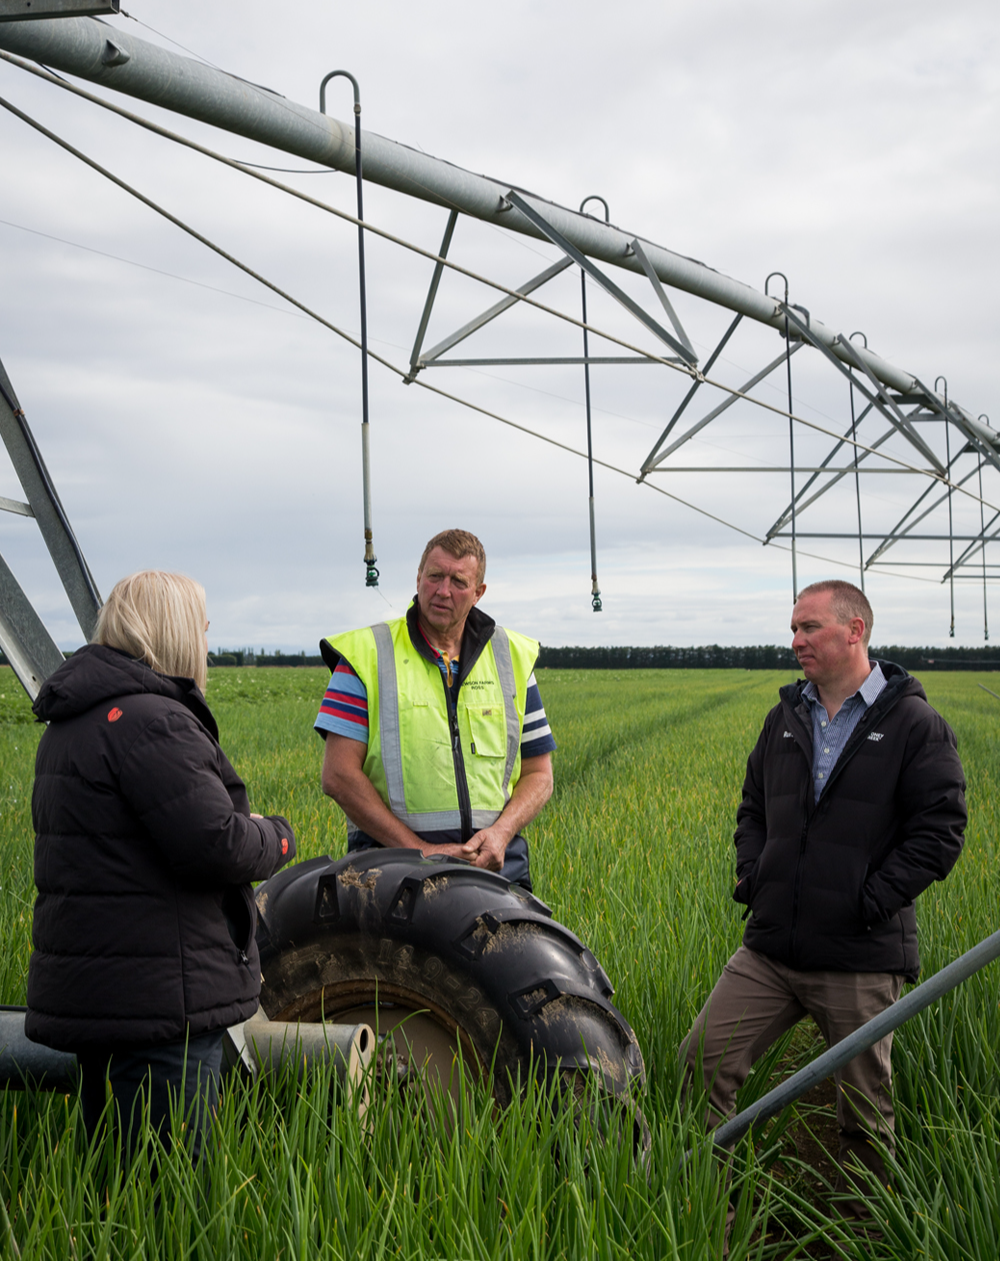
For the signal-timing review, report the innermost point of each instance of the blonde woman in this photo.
(145, 847)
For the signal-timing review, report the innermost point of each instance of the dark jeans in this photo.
(173, 1074)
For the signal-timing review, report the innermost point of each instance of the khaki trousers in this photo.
(757, 999)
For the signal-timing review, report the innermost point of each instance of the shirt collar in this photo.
(869, 691)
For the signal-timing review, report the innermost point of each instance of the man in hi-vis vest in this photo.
(436, 739)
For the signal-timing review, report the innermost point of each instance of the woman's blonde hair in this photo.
(158, 618)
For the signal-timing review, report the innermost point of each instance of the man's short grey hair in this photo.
(847, 603)
(458, 543)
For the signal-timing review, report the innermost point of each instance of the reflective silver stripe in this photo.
(505, 672)
(440, 821)
(388, 719)
(447, 820)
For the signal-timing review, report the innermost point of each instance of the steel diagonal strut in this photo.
(880, 398)
(432, 357)
(717, 411)
(860, 456)
(800, 501)
(654, 280)
(897, 533)
(425, 316)
(607, 284)
(648, 462)
(78, 46)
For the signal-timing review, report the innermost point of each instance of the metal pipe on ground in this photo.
(837, 1056)
(259, 1045)
(106, 55)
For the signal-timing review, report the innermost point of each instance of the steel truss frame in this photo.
(917, 418)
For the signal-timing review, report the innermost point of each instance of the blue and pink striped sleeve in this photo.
(344, 710)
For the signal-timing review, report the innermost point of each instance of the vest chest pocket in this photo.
(485, 728)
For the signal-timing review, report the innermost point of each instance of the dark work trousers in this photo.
(182, 1075)
(756, 1000)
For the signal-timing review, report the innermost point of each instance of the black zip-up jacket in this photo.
(831, 885)
(144, 852)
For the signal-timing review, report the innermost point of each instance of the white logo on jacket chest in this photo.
(788, 736)
(875, 735)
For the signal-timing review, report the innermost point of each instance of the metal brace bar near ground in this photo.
(26, 643)
(74, 573)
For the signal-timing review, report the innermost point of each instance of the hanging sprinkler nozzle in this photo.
(371, 572)
(595, 598)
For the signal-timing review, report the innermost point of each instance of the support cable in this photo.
(401, 373)
(699, 376)
(246, 169)
(371, 573)
(595, 590)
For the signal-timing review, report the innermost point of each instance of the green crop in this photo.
(634, 854)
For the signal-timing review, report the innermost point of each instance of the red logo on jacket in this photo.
(114, 714)
(284, 845)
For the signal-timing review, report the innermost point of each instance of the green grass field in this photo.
(634, 854)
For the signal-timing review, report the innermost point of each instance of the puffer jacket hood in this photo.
(96, 674)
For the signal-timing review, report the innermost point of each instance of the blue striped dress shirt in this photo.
(831, 734)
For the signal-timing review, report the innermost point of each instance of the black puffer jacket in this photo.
(144, 852)
(832, 885)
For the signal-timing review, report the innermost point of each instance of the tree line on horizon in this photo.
(661, 657)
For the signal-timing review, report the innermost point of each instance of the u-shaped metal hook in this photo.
(344, 74)
(945, 380)
(597, 197)
(770, 278)
(858, 333)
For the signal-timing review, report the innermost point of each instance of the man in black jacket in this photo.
(853, 803)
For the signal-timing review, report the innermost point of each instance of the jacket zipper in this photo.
(461, 783)
(868, 720)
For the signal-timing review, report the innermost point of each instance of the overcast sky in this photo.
(193, 421)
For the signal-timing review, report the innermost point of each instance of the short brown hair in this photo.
(158, 618)
(457, 543)
(848, 602)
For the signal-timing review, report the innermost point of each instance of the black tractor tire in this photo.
(456, 957)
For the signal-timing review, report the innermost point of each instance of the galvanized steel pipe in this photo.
(103, 54)
(860, 1040)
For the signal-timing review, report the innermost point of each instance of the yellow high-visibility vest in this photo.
(421, 761)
